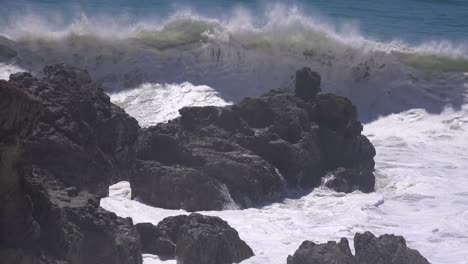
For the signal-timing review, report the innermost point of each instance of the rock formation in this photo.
(81, 138)
(62, 143)
(194, 239)
(385, 249)
(19, 113)
(212, 158)
(47, 214)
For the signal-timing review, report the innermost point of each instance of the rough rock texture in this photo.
(43, 220)
(197, 239)
(307, 84)
(328, 253)
(18, 114)
(82, 138)
(75, 229)
(385, 249)
(347, 180)
(250, 153)
(155, 241)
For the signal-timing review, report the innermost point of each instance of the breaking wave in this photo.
(244, 55)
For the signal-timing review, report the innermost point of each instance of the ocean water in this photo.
(404, 63)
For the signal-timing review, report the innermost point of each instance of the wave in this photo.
(242, 55)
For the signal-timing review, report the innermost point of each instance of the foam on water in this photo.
(422, 164)
(153, 103)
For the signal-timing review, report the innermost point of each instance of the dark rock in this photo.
(41, 220)
(349, 180)
(75, 229)
(81, 138)
(174, 187)
(307, 84)
(154, 241)
(198, 239)
(18, 115)
(386, 249)
(251, 152)
(209, 240)
(194, 239)
(328, 253)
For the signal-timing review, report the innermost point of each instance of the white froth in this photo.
(422, 194)
(7, 69)
(153, 103)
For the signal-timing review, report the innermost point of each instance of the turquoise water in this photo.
(413, 21)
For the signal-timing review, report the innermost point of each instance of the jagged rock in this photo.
(209, 240)
(75, 229)
(386, 249)
(328, 253)
(154, 241)
(18, 115)
(307, 84)
(42, 220)
(349, 180)
(82, 138)
(251, 152)
(198, 239)
(175, 187)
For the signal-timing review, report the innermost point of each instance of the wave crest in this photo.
(244, 56)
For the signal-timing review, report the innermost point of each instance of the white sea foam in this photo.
(422, 194)
(153, 103)
(7, 69)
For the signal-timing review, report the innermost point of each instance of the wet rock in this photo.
(198, 239)
(253, 151)
(154, 241)
(349, 180)
(82, 138)
(307, 84)
(209, 240)
(175, 187)
(328, 253)
(385, 249)
(18, 115)
(43, 220)
(75, 229)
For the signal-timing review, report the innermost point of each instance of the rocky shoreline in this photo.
(62, 143)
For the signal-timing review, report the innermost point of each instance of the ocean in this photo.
(404, 63)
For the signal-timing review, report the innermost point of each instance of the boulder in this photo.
(198, 239)
(328, 253)
(349, 180)
(209, 240)
(385, 249)
(175, 187)
(252, 152)
(154, 241)
(81, 138)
